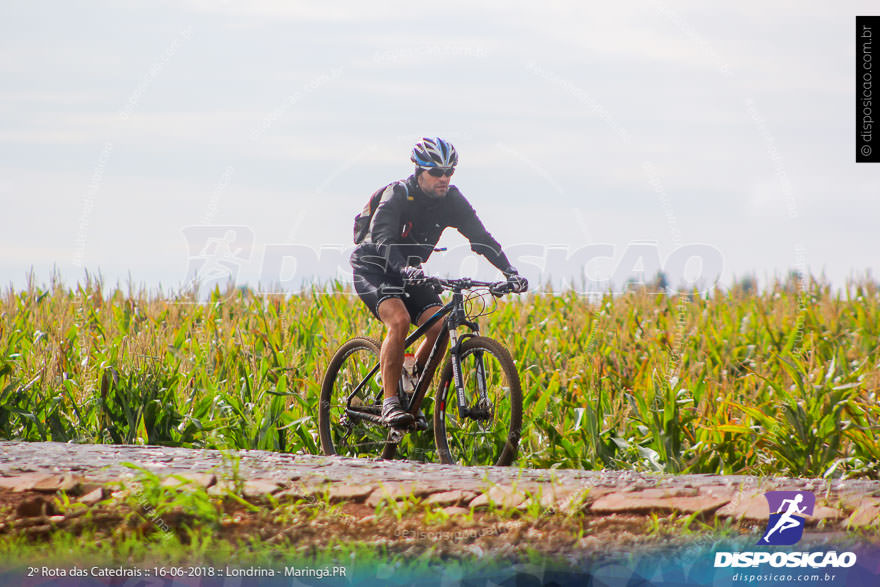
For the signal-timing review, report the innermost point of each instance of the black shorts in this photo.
(375, 287)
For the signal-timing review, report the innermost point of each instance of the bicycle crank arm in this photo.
(359, 416)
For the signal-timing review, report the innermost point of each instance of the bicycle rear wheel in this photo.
(341, 433)
(490, 434)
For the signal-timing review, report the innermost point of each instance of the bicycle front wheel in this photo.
(489, 430)
(341, 432)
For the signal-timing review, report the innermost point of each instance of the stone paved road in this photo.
(49, 465)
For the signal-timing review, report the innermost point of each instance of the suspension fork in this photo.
(457, 380)
(481, 380)
(457, 376)
(480, 411)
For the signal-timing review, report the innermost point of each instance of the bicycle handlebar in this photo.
(496, 288)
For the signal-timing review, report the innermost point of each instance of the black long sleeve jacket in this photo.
(407, 225)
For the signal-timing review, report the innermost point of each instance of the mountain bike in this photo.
(477, 410)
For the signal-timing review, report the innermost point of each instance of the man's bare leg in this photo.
(393, 314)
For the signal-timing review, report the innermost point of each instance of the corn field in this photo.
(780, 382)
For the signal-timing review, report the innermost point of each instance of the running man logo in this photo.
(787, 512)
(215, 254)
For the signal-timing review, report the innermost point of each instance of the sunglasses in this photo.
(441, 171)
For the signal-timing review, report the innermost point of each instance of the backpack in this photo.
(362, 220)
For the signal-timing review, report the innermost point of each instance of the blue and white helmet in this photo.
(434, 152)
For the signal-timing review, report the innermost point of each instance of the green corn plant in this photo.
(783, 380)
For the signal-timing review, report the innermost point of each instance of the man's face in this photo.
(435, 187)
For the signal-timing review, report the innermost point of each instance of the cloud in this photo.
(306, 11)
(766, 199)
(246, 92)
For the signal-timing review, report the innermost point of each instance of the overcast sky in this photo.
(594, 139)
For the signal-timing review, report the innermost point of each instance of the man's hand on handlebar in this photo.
(516, 283)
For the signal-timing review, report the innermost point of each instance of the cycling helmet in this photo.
(434, 152)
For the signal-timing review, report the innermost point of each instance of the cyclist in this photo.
(399, 234)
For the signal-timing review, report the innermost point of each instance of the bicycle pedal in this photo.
(396, 435)
(421, 422)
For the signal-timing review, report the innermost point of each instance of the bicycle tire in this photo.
(467, 441)
(349, 365)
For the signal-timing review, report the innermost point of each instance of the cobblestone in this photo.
(450, 498)
(50, 467)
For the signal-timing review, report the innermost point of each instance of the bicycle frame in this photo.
(457, 318)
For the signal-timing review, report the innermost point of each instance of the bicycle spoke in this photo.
(487, 434)
(340, 432)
